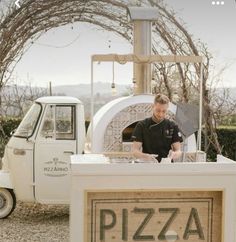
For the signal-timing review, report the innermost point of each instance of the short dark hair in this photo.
(161, 98)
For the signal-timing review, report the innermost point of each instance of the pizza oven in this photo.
(114, 122)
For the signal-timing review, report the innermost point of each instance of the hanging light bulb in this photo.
(153, 82)
(113, 86)
(134, 83)
(72, 22)
(113, 89)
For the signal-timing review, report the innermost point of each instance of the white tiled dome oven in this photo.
(116, 120)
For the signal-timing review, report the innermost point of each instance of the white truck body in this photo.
(36, 163)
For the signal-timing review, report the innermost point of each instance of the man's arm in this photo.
(176, 146)
(136, 149)
(176, 151)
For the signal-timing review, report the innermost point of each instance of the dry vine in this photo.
(19, 28)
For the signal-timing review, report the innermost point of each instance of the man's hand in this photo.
(176, 152)
(148, 157)
(174, 155)
(136, 149)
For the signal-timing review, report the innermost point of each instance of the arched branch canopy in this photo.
(20, 27)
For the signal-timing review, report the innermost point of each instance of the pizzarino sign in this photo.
(187, 216)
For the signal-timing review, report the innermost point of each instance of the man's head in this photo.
(160, 106)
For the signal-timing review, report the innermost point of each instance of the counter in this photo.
(152, 202)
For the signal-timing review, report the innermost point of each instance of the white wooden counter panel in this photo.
(176, 176)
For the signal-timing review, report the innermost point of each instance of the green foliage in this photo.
(227, 127)
(6, 126)
(229, 120)
(9, 125)
(227, 139)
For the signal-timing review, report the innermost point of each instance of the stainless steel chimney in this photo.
(142, 18)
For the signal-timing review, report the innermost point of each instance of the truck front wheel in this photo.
(7, 202)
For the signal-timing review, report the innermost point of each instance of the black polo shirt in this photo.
(156, 138)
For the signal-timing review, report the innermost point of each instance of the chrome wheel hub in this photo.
(2, 201)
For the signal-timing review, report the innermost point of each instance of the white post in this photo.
(200, 108)
(92, 108)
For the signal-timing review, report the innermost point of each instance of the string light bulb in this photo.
(113, 89)
(134, 83)
(113, 85)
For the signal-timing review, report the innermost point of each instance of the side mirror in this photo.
(12, 132)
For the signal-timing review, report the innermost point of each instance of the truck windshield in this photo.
(27, 125)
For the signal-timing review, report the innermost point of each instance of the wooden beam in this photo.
(122, 59)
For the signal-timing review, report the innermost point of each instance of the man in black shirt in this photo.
(157, 135)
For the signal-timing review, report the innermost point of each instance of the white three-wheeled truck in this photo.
(36, 162)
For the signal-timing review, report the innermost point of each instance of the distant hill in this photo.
(83, 90)
(19, 98)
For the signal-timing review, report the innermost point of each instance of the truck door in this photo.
(55, 143)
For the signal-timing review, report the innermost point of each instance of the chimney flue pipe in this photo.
(142, 18)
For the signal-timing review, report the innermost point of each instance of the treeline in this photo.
(226, 136)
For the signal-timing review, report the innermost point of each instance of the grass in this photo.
(226, 127)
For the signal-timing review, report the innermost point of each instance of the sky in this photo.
(62, 56)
